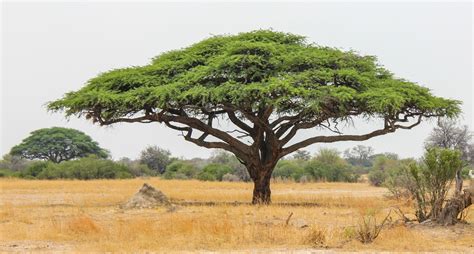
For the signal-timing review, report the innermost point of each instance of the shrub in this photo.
(34, 169)
(180, 169)
(84, 168)
(465, 172)
(329, 166)
(6, 173)
(286, 169)
(13, 163)
(206, 176)
(136, 168)
(383, 163)
(377, 177)
(214, 171)
(317, 237)
(94, 168)
(230, 178)
(432, 180)
(230, 160)
(399, 180)
(368, 229)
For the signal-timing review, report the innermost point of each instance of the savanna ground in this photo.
(84, 216)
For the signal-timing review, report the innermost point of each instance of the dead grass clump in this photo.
(317, 237)
(83, 224)
(367, 229)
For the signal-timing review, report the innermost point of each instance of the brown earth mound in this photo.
(147, 197)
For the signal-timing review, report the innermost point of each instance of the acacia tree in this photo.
(57, 144)
(269, 85)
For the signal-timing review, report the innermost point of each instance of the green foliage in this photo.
(302, 155)
(85, 168)
(7, 173)
(155, 158)
(179, 169)
(359, 156)
(289, 169)
(228, 159)
(431, 180)
(136, 168)
(230, 178)
(398, 179)
(13, 163)
(329, 166)
(34, 169)
(250, 70)
(381, 167)
(213, 172)
(57, 144)
(377, 177)
(465, 172)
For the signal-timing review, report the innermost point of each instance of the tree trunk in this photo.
(261, 189)
(458, 182)
(450, 213)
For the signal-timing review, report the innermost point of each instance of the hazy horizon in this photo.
(52, 48)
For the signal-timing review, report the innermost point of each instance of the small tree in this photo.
(58, 144)
(269, 85)
(451, 136)
(155, 158)
(432, 180)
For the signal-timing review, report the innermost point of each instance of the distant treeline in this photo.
(326, 165)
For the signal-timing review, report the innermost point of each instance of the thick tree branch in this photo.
(388, 128)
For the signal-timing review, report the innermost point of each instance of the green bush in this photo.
(230, 178)
(329, 166)
(428, 182)
(230, 160)
(382, 165)
(377, 177)
(214, 171)
(180, 169)
(136, 168)
(465, 172)
(206, 176)
(6, 173)
(84, 169)
(34, 169)
(288, 169)
(433, 179)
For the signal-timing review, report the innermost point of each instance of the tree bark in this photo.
(450, 213)
(261, 190)
(459, 182)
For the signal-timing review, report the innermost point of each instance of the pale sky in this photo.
(51, 48)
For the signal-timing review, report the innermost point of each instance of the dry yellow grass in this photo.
(83, 216)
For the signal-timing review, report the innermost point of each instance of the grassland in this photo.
(84, 216)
